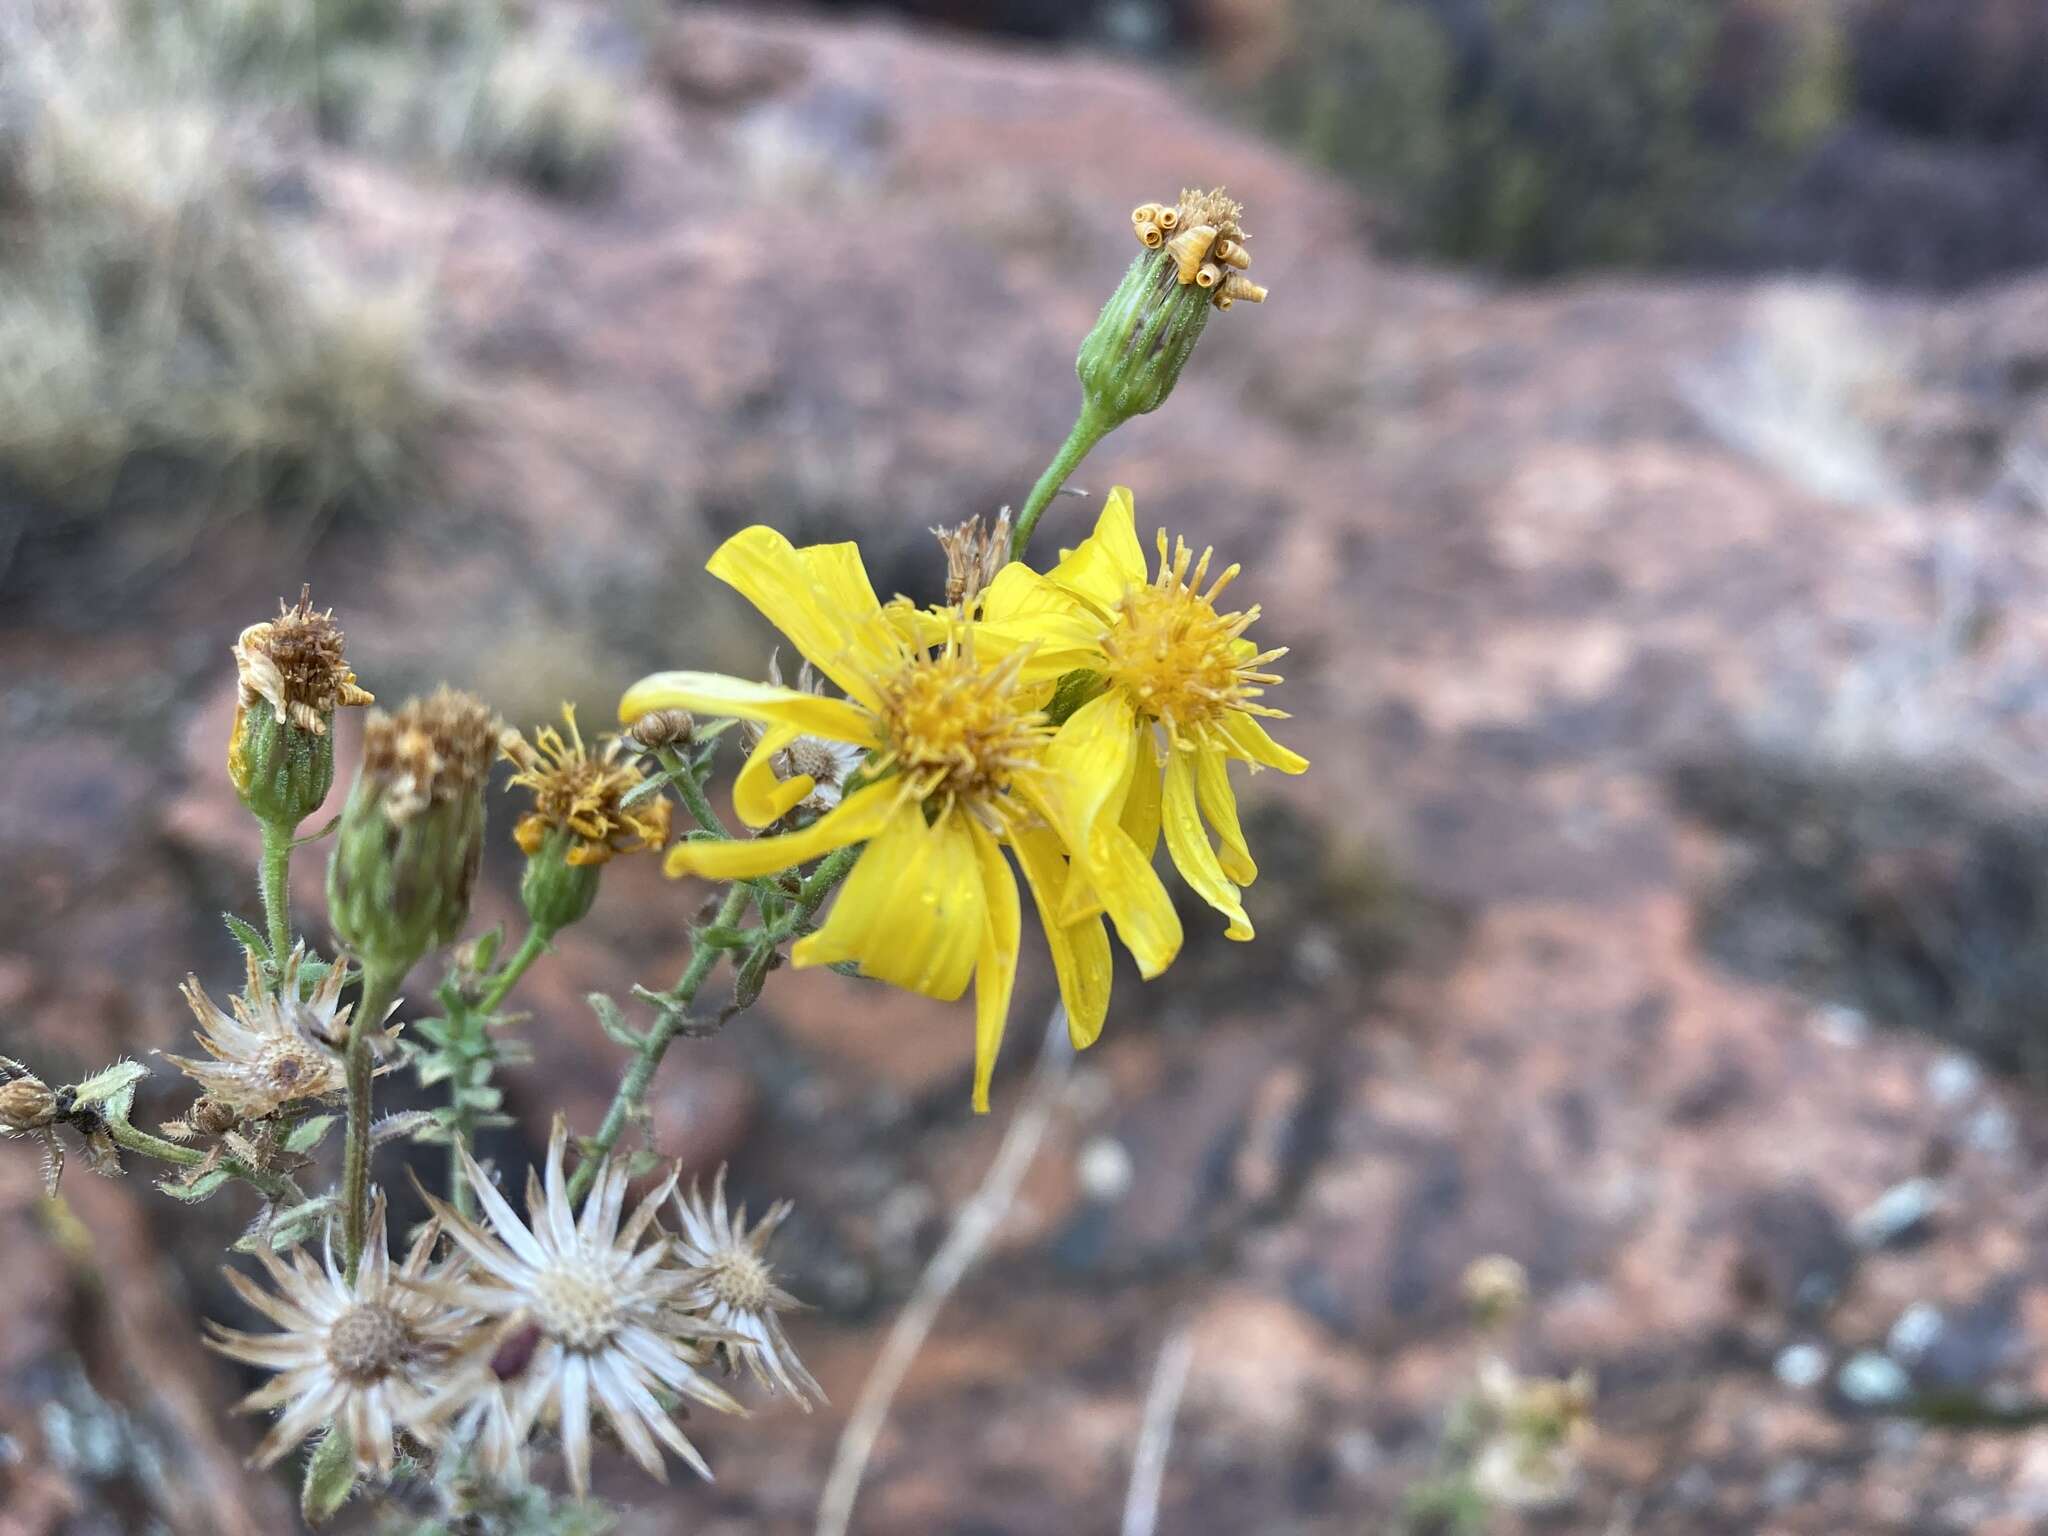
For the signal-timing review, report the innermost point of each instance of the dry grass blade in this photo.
(972, 1228)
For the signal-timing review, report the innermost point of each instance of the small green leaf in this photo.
(484, 949)
(613, 1022)
(111, 1090)
(309, 1133)
(314, 837)
(330, 1477)
(247, 937)
(195, 1189)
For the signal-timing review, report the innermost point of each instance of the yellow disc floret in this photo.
(958, 734)
(1177, 658)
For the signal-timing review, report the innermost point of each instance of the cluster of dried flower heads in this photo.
(493, 1330)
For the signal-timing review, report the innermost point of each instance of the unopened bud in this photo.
(405, 856)
(660, 729)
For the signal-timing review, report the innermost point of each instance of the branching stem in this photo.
(274, 877)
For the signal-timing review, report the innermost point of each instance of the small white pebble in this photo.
(1952, 1079)
(1839, 1024)
(1895, 1212)
(1915, 1332)
(1104, 1169)
(1801, 1365)
(1874, 1380)
(1991, 1130)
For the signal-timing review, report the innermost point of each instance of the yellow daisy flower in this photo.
(955, 767)
(1178, 695)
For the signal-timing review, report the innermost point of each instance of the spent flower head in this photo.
(361, 1351)
(813, 772)
(405, 856)
(582, 1309)
(736, 1289)
(275, 1047)
(579, 791)
(584, 812)
(292, 677)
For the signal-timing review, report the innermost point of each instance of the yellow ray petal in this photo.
(1219, 805)
(1249, 741)
(995, 968)
(1109, 561)
(1112, 876)
(757, 794)
(913, 909)
(1090, 763)
(1080, 950)
(820, 597)
(712, 693)
(1022, 608)
(860, 815)
(1188, 842)
(1141, 802)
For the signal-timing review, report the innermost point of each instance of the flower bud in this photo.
(406, 853)
(293, 677)
(556, 891)
(661, 728)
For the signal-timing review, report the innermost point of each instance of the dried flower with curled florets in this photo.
(274, 1048)
(582, 1310)
(363, 1352)
(828, 765)
(736, 1289)
(580, 793)
(1204, 235)
(294, 662)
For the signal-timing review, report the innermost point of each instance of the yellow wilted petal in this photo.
(1251, 743)
(757, 794)
(1188, 842)
(1219, 805)
(712, 693)
(1109, 561)
(1080, 950)
(912, 911)
(820, 597)
(995, 969)
(860, 815)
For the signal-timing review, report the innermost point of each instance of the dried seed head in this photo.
(435, 750)
(294, 662)
(405, 857)
(662, 728)
(973, 556)
(26, 1104)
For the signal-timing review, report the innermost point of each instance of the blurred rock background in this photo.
(1645, 452)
